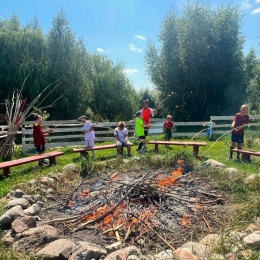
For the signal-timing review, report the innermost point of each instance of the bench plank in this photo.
(5, 166)
(195, 145)
(246, 154)
(84, 151)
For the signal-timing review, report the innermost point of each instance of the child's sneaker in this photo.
(139, 151)
(144, 148)
(129, 155)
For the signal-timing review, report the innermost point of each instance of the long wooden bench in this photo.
(195, 145)
(84, 151)
(5, 166)
(246, 154)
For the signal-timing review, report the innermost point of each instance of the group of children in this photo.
(142, 126)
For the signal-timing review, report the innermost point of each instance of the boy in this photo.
(121, 135)
(167, 127)
(240, 120)
(39, 136)
(140, 132)
(88, 131)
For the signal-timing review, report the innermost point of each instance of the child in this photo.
(140, 132)
(38, 136)
(167, 128)
(147, 112)
(121, 135)
(240, 120)
(88, 131)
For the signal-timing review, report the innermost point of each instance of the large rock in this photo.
(22, 224)
(8, 238)
(198, 249)
(34, 209)
(163, 255)
(71, 168)
(17, 193)
(124, 253)
(210, 163)
(24, 203)
(252, 178)
(8, 217)
(87, 251)
(56, 250)
(252, 240)
(35, 238)
(183, 254)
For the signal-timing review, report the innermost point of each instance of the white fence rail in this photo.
(69, 132)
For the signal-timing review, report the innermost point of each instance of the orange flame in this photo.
(180, 161)
(85, 193)
(71, 203)
(185, 221)
(171, 179)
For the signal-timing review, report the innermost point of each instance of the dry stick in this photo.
(167, 243)
(207, 224)
(212, 201)
(58, 220)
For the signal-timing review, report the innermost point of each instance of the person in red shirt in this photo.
(147, 112)
(239, 122)
(167, 127)
(39, 136)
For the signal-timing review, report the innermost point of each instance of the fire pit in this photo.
(149, 208)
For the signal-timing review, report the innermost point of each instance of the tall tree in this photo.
(198, 60)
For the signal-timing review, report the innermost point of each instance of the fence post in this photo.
(210, 127)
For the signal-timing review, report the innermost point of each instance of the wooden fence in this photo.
(69, 133)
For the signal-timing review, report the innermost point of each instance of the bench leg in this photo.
(196, 150)
(52, 160)
(84, 154)
(6, 171)
(156, 148)
(245, 157)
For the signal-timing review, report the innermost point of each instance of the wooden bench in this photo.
(5, 166)
(245, 154)
(195, 145)
(84, 151)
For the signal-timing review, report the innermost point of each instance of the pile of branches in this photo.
(144, 207)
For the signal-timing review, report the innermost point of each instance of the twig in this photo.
(207, 224)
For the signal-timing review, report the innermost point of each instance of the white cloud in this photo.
(246, 4)
(130, 71)
(258, 1)
(100, 50)
(134, 48)
(143, 38)
(256, 11)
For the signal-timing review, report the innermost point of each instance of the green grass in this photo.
(245, 196)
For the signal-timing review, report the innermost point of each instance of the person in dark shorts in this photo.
(39, 136)
(237, 137)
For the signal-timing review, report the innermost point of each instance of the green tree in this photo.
(198, 60)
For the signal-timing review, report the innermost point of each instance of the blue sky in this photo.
(120, 28)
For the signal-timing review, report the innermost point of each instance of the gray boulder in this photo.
(8, 217)
(22, 224)
(24, 203)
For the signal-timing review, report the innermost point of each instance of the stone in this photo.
(230, 256)
(8, 238)
(87, 250)
(34, 239)
(210, 163)
(56, 250)
(15, 202)
(210, 240)
(231, 170)
(51, 191)
(18, 193)
(22, 224)
(198, 249)
(71, 168)
(9, 216)
(163, 255)
(217, 257)
(29, 198)
(183, 254)
(32, 183)
(252, 240)
(124, 253)
(251, 178)
(47, 180)
(113, 247)
(34, 209)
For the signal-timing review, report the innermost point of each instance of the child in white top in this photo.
(121, 135)
(88, 131)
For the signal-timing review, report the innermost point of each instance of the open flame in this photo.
(171, 179)
(185, 221)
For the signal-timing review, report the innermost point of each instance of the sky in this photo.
(120, 29)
